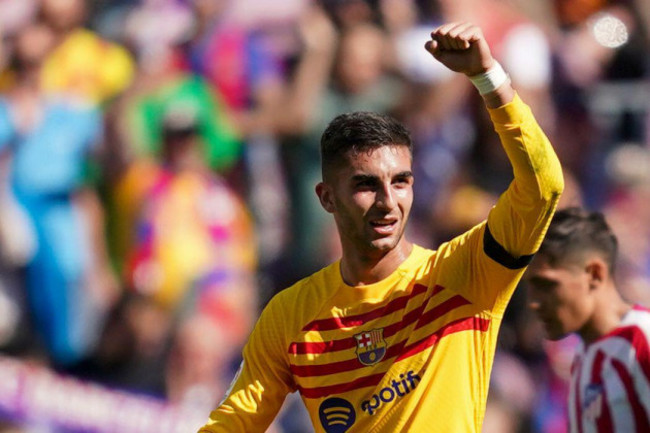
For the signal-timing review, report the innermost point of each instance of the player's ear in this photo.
(324, 193)
(597, 272)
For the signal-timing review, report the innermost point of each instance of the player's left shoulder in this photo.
(637, 316)
(635, 327)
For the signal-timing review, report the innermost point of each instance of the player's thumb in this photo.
(432, 47)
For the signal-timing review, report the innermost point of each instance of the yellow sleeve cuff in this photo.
(514, 112)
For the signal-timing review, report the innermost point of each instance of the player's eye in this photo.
(543, 285)
(402, 181)
(365, 183)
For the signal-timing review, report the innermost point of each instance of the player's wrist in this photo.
(490, 80)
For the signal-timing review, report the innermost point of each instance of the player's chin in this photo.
(385, 243)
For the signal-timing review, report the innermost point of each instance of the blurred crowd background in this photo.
(157, 168)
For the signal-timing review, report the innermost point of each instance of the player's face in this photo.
(560, 296)
(370, 196)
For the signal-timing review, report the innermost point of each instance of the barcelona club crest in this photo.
(371, 346)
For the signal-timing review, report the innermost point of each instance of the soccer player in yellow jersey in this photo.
(394, 337)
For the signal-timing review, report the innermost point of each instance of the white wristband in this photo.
(490, 80)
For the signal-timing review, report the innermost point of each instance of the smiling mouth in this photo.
(384, 226)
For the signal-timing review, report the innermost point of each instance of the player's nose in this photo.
(533, 301)
(534, 305)
(385, 198)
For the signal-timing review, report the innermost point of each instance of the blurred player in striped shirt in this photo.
(572, 289)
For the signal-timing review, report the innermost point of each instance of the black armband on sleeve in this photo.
(496, 252)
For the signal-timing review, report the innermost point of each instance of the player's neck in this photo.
(359, 269)
(608, 314)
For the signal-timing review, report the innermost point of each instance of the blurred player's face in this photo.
(561, 297)
(360, 60)
(33, 44)
(63, 14)
(370, 195)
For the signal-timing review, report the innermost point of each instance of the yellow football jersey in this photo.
(413, 352)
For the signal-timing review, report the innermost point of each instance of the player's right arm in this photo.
(262, 382)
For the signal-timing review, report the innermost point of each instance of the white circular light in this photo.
(610, 31)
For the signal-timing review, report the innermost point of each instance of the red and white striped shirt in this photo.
(610, 380)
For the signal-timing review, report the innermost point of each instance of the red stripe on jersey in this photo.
(392, 351)
(302, 348)
(466, 324)
(574, 366)
(440, 310)
(359, 319)
(639, 342)
(640, 416)
(604, 420)
(437, 289)
(576, 370)
(324, 391)
(341, 366)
